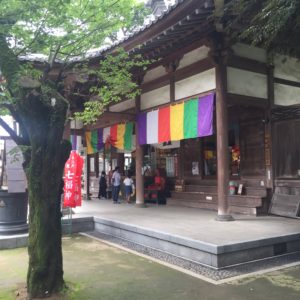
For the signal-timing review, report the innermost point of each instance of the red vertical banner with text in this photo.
(72, 180)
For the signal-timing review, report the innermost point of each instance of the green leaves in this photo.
(115, 83)
(273, 24)
(67, 28)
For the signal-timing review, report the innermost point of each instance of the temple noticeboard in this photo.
(285, 205)
(16, 180)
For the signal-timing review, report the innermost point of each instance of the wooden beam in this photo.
(108, 119)
(188, 71)
(287, 82)
(79, 132)
(180, 100)
(234, 99)
(193, 69)
(247, 64)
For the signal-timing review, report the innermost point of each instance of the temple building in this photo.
(219, 119)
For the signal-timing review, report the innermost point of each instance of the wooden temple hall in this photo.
(219, 120)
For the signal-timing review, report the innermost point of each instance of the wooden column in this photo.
(139, 157)
(220, 57)
(268, 130)
(170, 68)
(104, 157)
(121, 162)
(67, 131)
(88, 181)
(97, 164)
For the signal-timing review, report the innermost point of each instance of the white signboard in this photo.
(16, 180)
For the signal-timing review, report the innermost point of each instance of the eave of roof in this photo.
(160, 25)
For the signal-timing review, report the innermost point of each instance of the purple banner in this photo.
(205, 115)
(74, 142)
(100, 143)
(142, 128)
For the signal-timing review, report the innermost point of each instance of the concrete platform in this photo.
(194, 234)
(82, 224)
(13, 241)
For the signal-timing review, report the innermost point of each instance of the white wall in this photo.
(195, 84)
(193, 56)
(246, 83)
(122, 106)
(154, 73)
(286, 95)
(188, 59)
(155, 97)
(76, 124)
(251, 52)
(287, 68)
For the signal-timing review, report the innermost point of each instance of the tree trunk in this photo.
(41, 113)
(45, 272)
(48, 155)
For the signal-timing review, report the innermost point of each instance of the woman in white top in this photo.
(128, 187)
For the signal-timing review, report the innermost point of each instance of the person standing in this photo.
(102, 186)
(116, 183)
(128, 186)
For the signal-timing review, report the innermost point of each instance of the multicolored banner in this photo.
(119, 136)
(190, 119)
(75, 141)
(72, 180)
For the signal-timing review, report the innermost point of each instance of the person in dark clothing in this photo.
(102, 186)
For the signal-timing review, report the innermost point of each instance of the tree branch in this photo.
(16, 116)
(18, 140)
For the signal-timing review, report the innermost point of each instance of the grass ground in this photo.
(97, 271)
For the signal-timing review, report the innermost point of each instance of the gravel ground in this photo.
(199, 269)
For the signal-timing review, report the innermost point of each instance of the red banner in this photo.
(72, 180)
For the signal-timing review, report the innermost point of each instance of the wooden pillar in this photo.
(220, 55)
(268, 130)
(88, 171)
(170, 68)
(67, 131)
(104, 158)
(180, 160)
(97, 164)
(139, 157)
(121, 162)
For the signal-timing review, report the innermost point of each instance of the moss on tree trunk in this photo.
(40, 110)
(45, 272)
(48, 154)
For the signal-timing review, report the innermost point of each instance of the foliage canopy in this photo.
(273, 24)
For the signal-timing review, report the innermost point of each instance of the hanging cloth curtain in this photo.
(119, 136)
(190, 119)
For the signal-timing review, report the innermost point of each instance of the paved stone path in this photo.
(96, 271)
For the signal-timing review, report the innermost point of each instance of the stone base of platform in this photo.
(208, 254)
(215, 256)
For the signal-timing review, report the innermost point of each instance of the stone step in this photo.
(201, 188)
(198, 196)
(199, 181)
(247, 181)
(254, 211)
(251, 191)
(237, 200)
